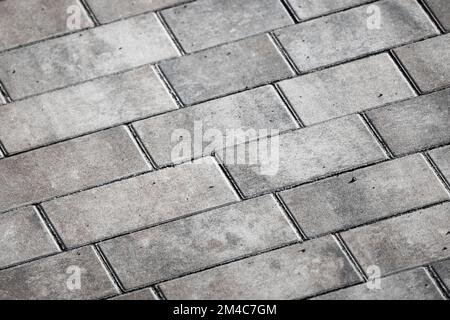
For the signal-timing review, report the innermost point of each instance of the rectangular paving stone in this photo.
(416, 124)
(352, 33)
(110, 10)
(52, 278)
(346, 89)
(294, 272)
(226, 69)
(172, 137)
(442, 158)
(195, 243)
(441, 9)
(302, 155)
(141, 295)
(365, 195)
(68, 167)
(23, 22)
(24, 236)
(403, 242)
(147, 200)
(443, 270)
(77, 110)
(308, 9)
(411, 285)
(206, 23)
(85, 55)
(427, 62)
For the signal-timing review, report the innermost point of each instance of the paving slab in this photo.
(410, 285)
(289, 273)
(416, 124)
(213, 125)
(23, 22)
(84, 56)
(302, 155)
(202, 241)
(346, 89)
(441, 9)
(84, 108)
(427, 62)
(442, 158)
(147, 200)
(24, 236)
(74, 275)
(403, 242)
(309, 9)
(207, 23)
(365, 195)
(226, 69)
(109, 10)
(68, 167)
(355, 33)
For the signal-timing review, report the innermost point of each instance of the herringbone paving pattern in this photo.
(96, 204)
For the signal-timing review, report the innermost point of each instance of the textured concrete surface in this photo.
(346, 89)
(430, 73)
(365, 195)
(195, 243)
(63, 61)
(20, 19)
(409, 240)
(442, 11)
(228, 68)
(319, 129)
(310, 153)
(78, 110)
(289, 273)
(416, 124)
(206, 23)
(345, 35)
(256, 109)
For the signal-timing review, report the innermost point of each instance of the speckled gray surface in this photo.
(224, 149)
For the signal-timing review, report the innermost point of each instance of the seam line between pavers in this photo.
(437, 171)
(351, 257)
(440, 285)
(3, 150)
(289, 106)
(288, 7)
(87, 8)
(134, 136)
(168, 86)
(4, 93)
(229, 178)
(109, 269)
(404, 72)
(170, 33)
(431, 16)
(290, 217)
(51, 228)
(376, 134)
(283, 52)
